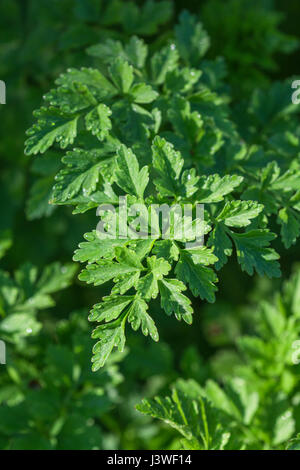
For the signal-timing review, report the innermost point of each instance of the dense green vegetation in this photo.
(156, 104)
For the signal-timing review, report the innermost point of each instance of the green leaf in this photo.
(214, 188)
(110, 309)
(90, 79)
(98, 121)
(191, 39)
(266, 106)
(190, 414)
(145, 20)
(290, 226)
(96, 248)
(72, 98)
(200, 279)
(20, 299)
(281, 420)
(139, 318)
(182, 80)
(52, 126)
(239, 213)
(81, 174)
(122, 74)
(166, 249)
(253, 252)
(162, 62)
(21, 324)
(110, 336)
(128, 176)
(186, 123)
(202, 255)
(189, 180)
(38, 203)
(129, 257)
(148, 285)
(107, 51)
(45, 168)
(221, 244)
(136, 51)
(237, 400)
(125, 282)
(142, 93)
(168, 165)
(105, 270)
(56, 277)
(173, 301)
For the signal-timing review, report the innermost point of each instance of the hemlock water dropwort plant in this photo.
(235, 372)
(152, 125)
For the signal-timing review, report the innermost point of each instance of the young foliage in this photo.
(190, 414)
(154, 128)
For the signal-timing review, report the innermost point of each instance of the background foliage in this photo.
(233, 365)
